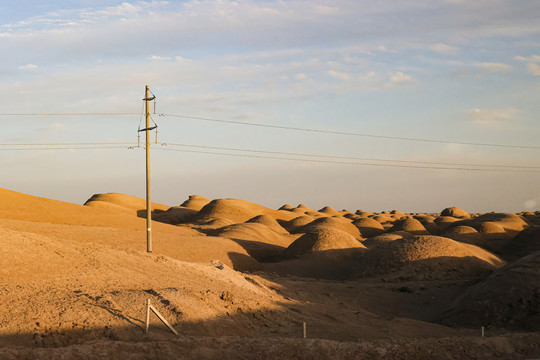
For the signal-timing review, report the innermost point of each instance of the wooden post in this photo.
(163, 320)
(147, 321)
(304, 330)
(482, 331)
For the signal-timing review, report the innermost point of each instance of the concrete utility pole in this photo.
(147, 99)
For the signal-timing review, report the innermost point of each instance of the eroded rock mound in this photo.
(324, 241)
(525, 243)
(455, 212)
(270, 222)
(195, 202)
(375, 241)
(428, 257)
(238, 210)
(508, 298)
(412, 226)
(368, 227)
(330, 222)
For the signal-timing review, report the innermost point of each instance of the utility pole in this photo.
(147, 99)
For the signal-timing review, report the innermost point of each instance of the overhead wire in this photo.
(321, 131)
(67, 144)
(292, 128)
(349, 163)
(68, 114)
(350, 157)
(67, 148)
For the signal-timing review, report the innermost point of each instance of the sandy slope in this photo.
(73, 275)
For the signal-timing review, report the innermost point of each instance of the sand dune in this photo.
(126, 201)
(270, 222)
(368, 227)
(323, 240)
(239, 211)
(330, 222)
(425, 257)
(507, 298)
(74, 274)
(195, 202)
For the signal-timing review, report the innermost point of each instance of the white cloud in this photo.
(300, 76)
(399, 77)
(532, 58)
(327, 10)
(534, 69)
(159, 58)
(494, 67)
(444, 49)
(28, 67)
(481, 68)
(491, 117)
(339, 75)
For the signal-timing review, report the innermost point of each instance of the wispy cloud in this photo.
(533, 69)
(28, 67)
(495, 118)
(493, 67)
(532, 58)
(480, 68)
(444, 48)
(339, 75)
(399, 78)
(160, 58)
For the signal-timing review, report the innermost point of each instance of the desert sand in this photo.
(239, 280)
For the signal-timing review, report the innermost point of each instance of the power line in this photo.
(282, 127)
(66, 148)
(68, 144)
(351, 158)
(69, 114)
(130, 145)
(351, 133)
(349, 163)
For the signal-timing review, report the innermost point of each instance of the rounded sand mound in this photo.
(175, 215)
(368, 227)
(511, 223)
(509, 298)
(428, 257)
(297, 223)
(363, 213)
(126, 201)
(303, 208)
(257, 239)
(330, 222)
(324, 241)
(329, 211)
(455, 212)
(238, 210)
(385, 238)
(525, 243)
(412, 226)
(445, 222)
(195, 202)
(268, 221)
(491, 230)
(383, 219)
(464, 234)
(286, 207)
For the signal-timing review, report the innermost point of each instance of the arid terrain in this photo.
(238, 280)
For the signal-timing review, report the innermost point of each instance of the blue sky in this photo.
(451, 70)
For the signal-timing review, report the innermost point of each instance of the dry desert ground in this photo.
(239, 280)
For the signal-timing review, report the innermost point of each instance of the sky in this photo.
(453, 71)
